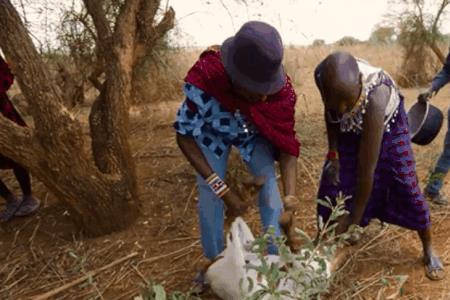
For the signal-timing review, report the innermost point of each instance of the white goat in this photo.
(228, 275)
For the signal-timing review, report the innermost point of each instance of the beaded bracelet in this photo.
(332, 155)
(217, 185)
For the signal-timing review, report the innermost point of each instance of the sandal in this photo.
(12, 206)
(199, 285)
(438, 198)
(29, 206)
(434, 270)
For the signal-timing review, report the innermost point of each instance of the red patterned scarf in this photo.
(273, 118)
(6, 107)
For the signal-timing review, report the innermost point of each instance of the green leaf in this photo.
(251, 284)
(325, 203)
(384, 281)
(160, 293)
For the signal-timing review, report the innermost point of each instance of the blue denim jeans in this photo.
(211, 208)
(436, 179)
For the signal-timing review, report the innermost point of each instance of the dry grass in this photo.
(44, 252)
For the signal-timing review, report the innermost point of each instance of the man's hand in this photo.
(235, 206)
(291, 203)
(425, 96)
(331, 171)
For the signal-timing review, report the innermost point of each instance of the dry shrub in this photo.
(419, 63)
(418, 67)
(166, 71)
(348, 41)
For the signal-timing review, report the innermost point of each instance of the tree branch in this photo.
(16, 141)
(83, 20)
(166, 24)
(434, 31)
(125, 30)
(95, 74)
(104, 33)
(149, 35)
(434, 28)
(109, 118)
(45, 99)
(146, 18)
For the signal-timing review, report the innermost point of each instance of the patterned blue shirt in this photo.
(213, 126)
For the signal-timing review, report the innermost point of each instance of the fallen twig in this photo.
(366, 246)
(83, 278)
(191, 194)
(370, 282)
(314, 182)
(178, 240)
(7, 288)
(139, 273)
(152, 259)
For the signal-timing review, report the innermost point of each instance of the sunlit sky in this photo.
(206, 22)
(299, 22)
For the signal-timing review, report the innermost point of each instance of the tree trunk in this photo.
(102, 197)
(437, 51)
(72, 85)
(147, 36)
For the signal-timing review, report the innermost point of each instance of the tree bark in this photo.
(72, 85)
(437, 51)
(101, 200)
(147, 35)
(109, 119)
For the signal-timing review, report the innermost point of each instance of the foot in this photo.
(12, 206)
(437, 198)
(29, 206)
(199, 285)
(434, 269)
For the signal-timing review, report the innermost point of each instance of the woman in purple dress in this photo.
(370, 156)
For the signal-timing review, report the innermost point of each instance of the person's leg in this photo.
(29, 203)
(4, 191)
(435, 181)
(211, 207)
(12, 204)
(262, 163)
(433, 265)
(211, 215)
(23, 177)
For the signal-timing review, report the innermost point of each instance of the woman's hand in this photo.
(344, 223)
(425, 96)
(331, 171)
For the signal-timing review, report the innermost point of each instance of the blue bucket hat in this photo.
(253, 58)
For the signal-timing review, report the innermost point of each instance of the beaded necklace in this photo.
(352, 120)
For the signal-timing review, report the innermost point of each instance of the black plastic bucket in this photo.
(425, 121)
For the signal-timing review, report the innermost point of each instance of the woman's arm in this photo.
(332, 134)
(369, 149)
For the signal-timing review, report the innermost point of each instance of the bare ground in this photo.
(44, 252)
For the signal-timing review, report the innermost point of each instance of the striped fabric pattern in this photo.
(396, 196)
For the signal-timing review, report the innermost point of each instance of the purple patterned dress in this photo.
(396, 197)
